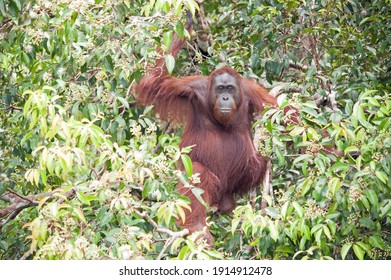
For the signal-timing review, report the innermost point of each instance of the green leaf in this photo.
(18, 4)
(186, 160)
(306, 231)
(273, 230)
(376, 241)
(334, 185)
(358, 251)
(197, 193)
(284, 210)
(192, 6)
(333, 215)
(167, 39)
(312, 134)
(320, 164)
(108, 63)
(43, 230)
(302, 158)
(285, 249)
(122, 100)
(306, 186)
(332, 226)
(296, 131)
(80, 214)
(316, 228)
(274, 67)
(280, 156)
(364, 201)
(351, 149)
(339, 166)
(382, 176)
(310, 112)
(368, 223)
(106, 219)
(326, 231)
(179, 29)
(83, 198)
(298, 208)
(310, 72)
(2, 7)
(358, 162)
(318, 237)
(170, 63)
(345, 249)
(372, 197)
(385, 207)
(385, 124)
(235, 223)
(358, 113)
(372, 50)
(43, 174)
(169, 214)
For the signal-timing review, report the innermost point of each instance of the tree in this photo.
(85, 174)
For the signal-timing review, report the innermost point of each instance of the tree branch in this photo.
(9, 107)
(331, 97)
(173, 235)
(20, 202)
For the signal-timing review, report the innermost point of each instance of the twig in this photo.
(159, 229)
(173, 235)
(298, 66)
(283, 88)
(165, 247)
(20, 196)
(19, 202)
(11, 106)
(276, 91)
(142, 19)
(267, 186)
(26, 255)
(11, 216)
(331, 97)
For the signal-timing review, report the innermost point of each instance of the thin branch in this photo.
(331, 97)
(267, 186)
(276, 91)
(20, 202)
(165, 247)
(298, 66)
(173, 235)
(26, 255)
(8, 107)
(160, 229)
(11, 216)
(303, 68)
(142, 19)
(284, 88)
(20, 196)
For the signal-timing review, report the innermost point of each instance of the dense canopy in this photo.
(85, 173)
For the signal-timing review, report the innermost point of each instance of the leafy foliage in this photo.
(97, 175)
